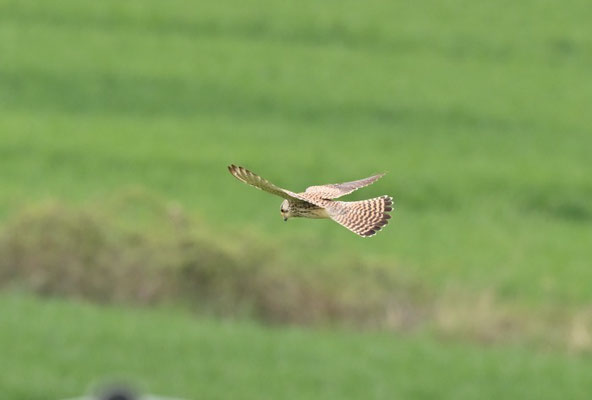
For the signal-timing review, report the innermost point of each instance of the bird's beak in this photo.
(285, 219)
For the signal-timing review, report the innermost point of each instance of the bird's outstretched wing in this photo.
(248, 177)
(335, 190)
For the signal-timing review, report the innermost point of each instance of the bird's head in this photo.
(285, 210)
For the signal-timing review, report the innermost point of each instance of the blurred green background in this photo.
(118, 120)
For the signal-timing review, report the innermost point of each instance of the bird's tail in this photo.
(365, 217)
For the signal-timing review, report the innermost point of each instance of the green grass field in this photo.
(479, 112)
(173, 353)
(481, 121)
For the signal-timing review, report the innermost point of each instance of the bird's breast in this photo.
(311, 211)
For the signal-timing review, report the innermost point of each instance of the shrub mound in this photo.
(94, 255)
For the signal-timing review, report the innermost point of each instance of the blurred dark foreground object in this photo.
(118, 393)
(121, 392)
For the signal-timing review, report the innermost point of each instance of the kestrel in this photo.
(364, 218)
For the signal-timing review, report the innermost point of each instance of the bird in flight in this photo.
(364, 218)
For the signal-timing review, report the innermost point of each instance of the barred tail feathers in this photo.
(365, 217)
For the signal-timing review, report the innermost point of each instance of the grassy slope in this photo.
(45, 356)
(481, 118)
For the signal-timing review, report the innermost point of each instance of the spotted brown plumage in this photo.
(335, 190)
(365, 218)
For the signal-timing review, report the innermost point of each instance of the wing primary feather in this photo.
(252, 179)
